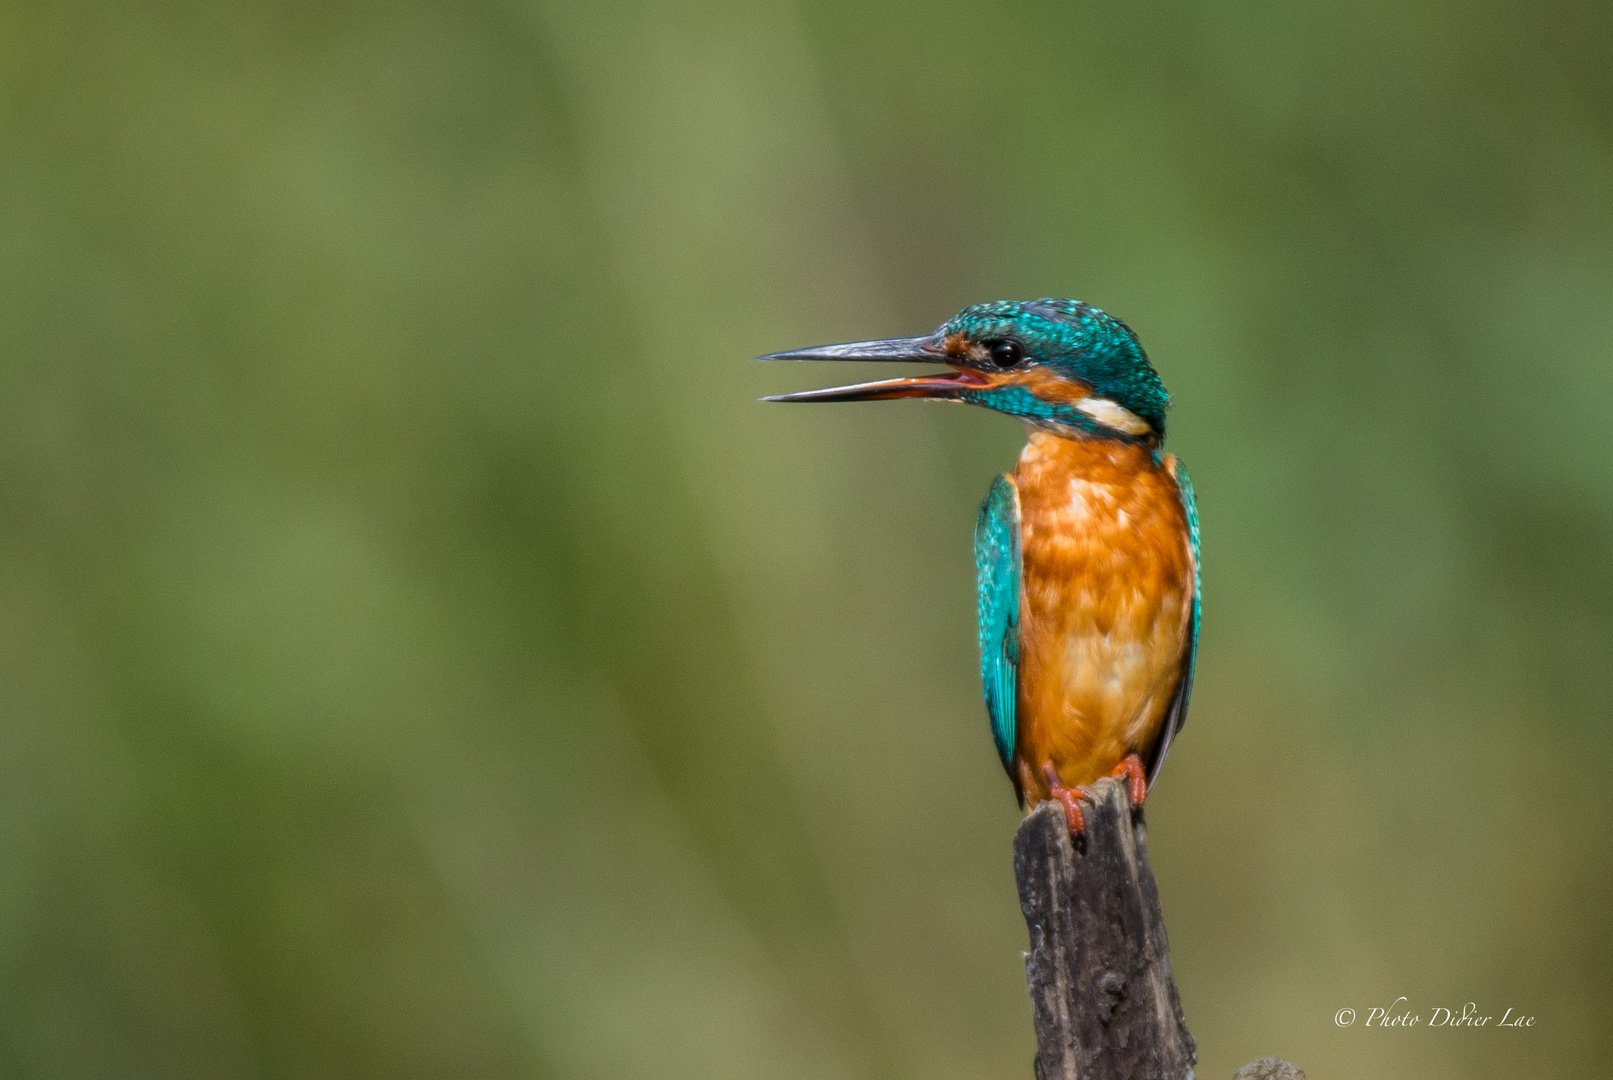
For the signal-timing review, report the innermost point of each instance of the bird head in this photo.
(1059, 364)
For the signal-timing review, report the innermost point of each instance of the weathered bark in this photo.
(1099, 968)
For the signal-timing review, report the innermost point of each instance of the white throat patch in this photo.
(1114, 416)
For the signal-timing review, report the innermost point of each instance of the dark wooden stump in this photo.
(1099, 968)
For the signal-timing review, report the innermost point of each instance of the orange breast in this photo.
(1106, 599)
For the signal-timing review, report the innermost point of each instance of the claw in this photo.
(1070, 797)
(1137, 781)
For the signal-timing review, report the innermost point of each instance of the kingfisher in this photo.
(1086, 555)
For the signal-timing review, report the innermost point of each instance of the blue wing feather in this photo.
(997, 570)
(1176, 716)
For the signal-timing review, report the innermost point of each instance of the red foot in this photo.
(1070, 797)
(1137, 782)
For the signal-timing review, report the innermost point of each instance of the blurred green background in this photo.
(421, 656)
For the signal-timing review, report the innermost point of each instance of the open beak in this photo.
(914, 350)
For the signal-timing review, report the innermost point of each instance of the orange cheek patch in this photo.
(1048, 386)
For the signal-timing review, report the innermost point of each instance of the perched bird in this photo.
(1086, 555)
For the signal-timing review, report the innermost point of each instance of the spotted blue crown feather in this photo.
(1081, 341)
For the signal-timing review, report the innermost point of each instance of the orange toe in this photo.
(1137, 781)
(1070, 797)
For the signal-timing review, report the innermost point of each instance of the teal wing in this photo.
(997, 563)
(1176, 716)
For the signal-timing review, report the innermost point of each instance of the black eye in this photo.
(1006, 353)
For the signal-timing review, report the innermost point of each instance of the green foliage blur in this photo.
(421, 655)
